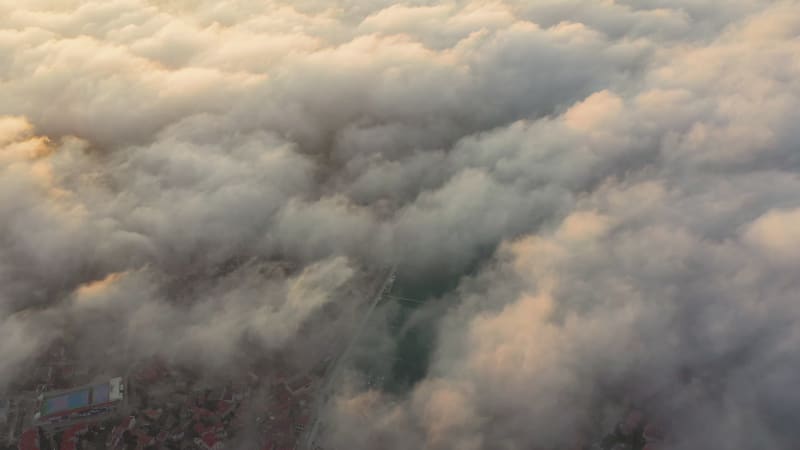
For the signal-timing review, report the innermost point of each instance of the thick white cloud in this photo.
(775, 236)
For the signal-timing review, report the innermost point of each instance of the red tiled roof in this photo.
(201, 412)
(152, 413)
(69, 439)
(127, 422)
(144, 439)
(199, 428)
(223, 407)
(29, 440)
(210, 439)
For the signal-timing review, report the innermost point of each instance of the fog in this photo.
(608, 190)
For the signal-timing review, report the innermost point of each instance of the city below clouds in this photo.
(605, 193)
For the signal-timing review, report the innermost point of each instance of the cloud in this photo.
(213, 321)
(607, 188)
(773, 235)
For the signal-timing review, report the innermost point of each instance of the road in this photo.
(338, 364)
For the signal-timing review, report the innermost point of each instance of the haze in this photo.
(595, 200)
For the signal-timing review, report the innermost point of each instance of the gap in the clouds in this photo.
(398, 347)
(414, 327)
(415, 339)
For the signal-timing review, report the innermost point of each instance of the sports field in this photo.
(59, 403)
(64, 402)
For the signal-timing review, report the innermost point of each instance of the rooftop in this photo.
(54, 403)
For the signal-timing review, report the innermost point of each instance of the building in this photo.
(29, 440)
(69, 440)
(115, 439)
(209, 441)
(60, 409)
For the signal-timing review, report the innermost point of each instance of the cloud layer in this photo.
(613, 186)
